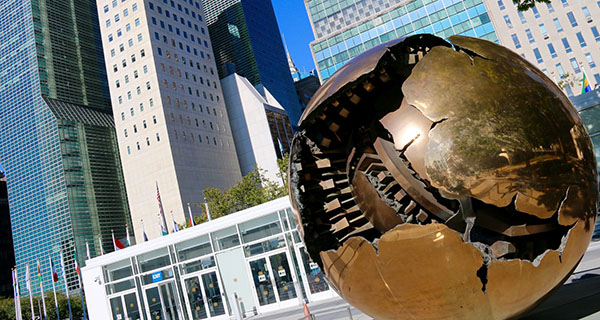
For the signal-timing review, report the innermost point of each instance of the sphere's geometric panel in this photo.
(435, 180)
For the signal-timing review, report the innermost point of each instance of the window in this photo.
(108, 23)
(138, 90)
(118, 84)
(128, 27)
(550, 7)
(552, 51)
(134, 128)
(522, 17)
(141, 107)
(560, 70)
(572, 19)
(529, 36)
(566, 44)
(131, 111)
(122, 115)
(557, 25)
(586, 13)
(125, 13)
(128, 95)
(157, 137)
(575, 65)
(154, 119)
(134, 7)
(105, 8)
(597, 76)
(112, 52)
(581, 40)
(138, 145)
(148, 85)
(125, 132)
(120, 99)
(132, 58)
(536, 13)
(151, 102)
(590, 60)
(147, 141)
(516, 41)
(596, 34)
(137, 22)
(501, 5)
(130, 42)
(115, 69)
(142, 53)
(139, 37)
(124, 63)
(537, 55)
(564, 3)
(121, 48)
(135, 74)
(508, 23)
(117, 19)
(110, 37)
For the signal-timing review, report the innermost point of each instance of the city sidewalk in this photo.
(578, 298)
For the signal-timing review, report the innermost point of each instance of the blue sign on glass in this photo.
(157, 276)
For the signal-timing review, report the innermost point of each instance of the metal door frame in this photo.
(198, 274)
(162, 305)
(122, 295)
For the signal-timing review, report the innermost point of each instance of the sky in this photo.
(295, 29)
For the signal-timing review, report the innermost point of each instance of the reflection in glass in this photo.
(133, 312)
(314, 275)
(283, 276)
(169, 301)
(259, 228)
(117, 308)
(153, 300)
(265, 246)
(154, 260)
(194, 293)
(194, 248)
(225, 239)
(262, 282)
(213, 294)
(204, 263)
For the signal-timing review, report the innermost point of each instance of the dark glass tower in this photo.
(57, 138)
(245, 34)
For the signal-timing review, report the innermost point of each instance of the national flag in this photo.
(191, 217)
(17, 295)
(585, 87)
(144, 231)
(28, 278)
(175, 226)
(116, 243)
(87, 250)
(16, 282)
(102, 252)
(76, 263)
(39, 272)
(207, 211)
(163, 227)
(128, 242)
(54, 274)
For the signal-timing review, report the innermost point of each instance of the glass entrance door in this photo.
(273, 282)
(125, 307)
(162, 302)
(203, 293)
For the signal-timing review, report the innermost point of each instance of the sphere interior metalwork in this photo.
(437, 179)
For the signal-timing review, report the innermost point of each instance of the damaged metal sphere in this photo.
(443, 180)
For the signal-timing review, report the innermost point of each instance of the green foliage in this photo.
(7, 307)
(252, 190)
(524, 5)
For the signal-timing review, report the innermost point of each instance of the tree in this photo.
(252, 190)
(7, 307)
(568, 79)
(524, 5)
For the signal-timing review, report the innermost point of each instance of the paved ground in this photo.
(578, 298)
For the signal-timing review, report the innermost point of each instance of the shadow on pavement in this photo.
(575, 300)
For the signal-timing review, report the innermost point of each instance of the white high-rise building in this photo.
(172, 125)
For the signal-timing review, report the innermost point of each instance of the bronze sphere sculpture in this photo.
(437, 179)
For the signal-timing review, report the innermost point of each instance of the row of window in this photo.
(189, 49)
(137, 144)
(175, 18)
(204, 123)
(185, 74)
(117, 18)
(144, 124)
(180, 33)
(180, 8)
(557, 24)
(185, 137)
(138, 91)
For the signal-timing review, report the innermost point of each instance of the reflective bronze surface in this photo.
(443, 180)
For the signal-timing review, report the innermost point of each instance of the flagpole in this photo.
(64, 272)
(113, 240)
(160, 206)
(54, 287)
(191, 217)
(87, 250)
(42, 289)
(100, 241)
(144, 231)
(28, 280)
(17, 295)
(79, 281)
(127, 232)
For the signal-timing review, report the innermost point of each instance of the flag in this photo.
(28, 278)
(144, 231)
(54, 274)
(64, 273)
(39, 272)
(87, 250)
(175, 226)
(585, 87)
(116, 243)
(163, 227)
(17, 295)
(76, 263)
(207, 211)
(191, 217)
(102, 252)
(16, 283)
(128, 243)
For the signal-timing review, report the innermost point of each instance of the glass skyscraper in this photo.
(244, 33)
(57, 138)
(345, 28)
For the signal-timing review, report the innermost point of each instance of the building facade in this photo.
(255, 255)
(57, 138)
(561, 38)
(172, 125)
(344, 29)
(260, 125)
(245, 35)
(7, 251)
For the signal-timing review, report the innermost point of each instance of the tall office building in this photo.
(7, 251)
(57, 138)
(247, 41)
(261, 127)
(344, 29)
(169, 111)
(561, 38)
